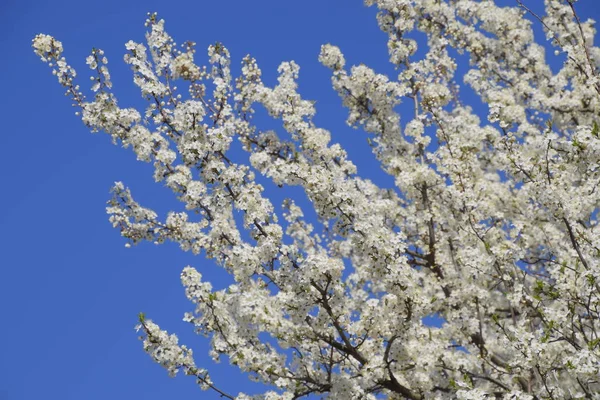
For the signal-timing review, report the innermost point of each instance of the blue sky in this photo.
(69, 289)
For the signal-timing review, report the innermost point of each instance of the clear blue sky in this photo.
(69, 289)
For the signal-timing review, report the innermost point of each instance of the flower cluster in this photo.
(491, 227)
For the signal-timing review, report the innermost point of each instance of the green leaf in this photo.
(591, 279)
(539, 287)
(579, 145)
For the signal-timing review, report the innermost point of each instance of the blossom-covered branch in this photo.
(491, 225)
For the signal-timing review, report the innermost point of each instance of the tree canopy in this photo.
(491, 227)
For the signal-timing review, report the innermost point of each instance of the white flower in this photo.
(332, 57)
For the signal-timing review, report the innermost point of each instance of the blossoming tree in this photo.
(491, 225)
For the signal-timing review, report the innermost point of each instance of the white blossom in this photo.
(490, 227)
